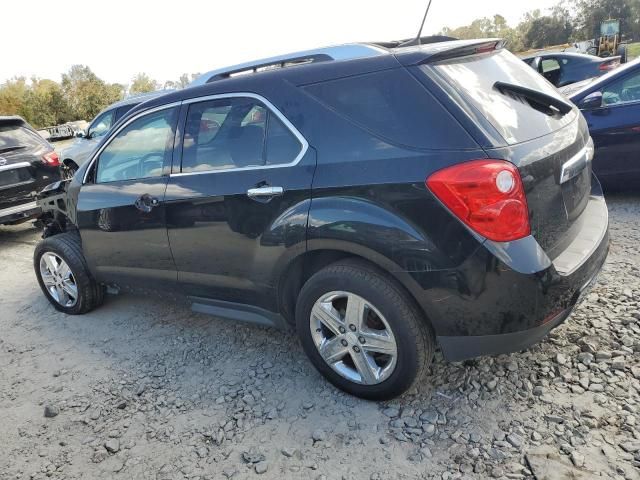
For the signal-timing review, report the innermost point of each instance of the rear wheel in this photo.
(63, 275)
(362, 332)
(623, 52)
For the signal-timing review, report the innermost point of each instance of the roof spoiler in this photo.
(436, 52)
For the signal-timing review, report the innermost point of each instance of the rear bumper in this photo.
(18, 213)
(507, 297)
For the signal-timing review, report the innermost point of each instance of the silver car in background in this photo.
(79, 151)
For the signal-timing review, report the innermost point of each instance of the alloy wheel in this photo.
(353, 337)
(58, 279)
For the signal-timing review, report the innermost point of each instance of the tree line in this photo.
(568, 21)
(80, 95)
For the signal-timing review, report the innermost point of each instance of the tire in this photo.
(67, 247)
(623, 52)
(391, 307)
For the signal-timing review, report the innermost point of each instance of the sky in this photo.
(119, 38)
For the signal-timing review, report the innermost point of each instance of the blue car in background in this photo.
(611, 105)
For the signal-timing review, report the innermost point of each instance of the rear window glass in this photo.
(15, 136)
(515, 119)
(393, 105)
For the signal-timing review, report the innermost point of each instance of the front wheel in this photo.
(63, 275)
(362, 332)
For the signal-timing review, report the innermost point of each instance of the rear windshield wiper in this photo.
(535, 96)
(10, 149)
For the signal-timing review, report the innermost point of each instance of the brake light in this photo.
(487, 195)
(488, 47)
(610, 65)
(51, 159)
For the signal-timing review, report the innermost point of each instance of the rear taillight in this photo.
(51, 159)
(610, 65)
(487, 195)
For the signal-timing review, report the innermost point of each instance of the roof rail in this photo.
(339, 52)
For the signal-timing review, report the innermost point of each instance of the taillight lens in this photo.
(610, 65)
(51, 159)
(487, 195)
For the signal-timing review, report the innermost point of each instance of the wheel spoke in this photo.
(48, 280)
(64, 270)
(70, 289)
(379, 343)
(62, 295)
(332, 350)
(52, 266)
(355, 311)
(365, 366)
(329, 319)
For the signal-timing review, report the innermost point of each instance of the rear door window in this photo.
(236, 132)
(513, 117)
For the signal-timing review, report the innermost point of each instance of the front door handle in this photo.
(265, 193)
(146, 202)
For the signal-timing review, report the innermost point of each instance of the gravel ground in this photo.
(144, 388)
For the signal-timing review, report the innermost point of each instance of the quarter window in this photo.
(233, 133)
(139, 150)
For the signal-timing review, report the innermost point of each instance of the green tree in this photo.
(142, 83)
(86, 94)
(45, 103)
(12, 95)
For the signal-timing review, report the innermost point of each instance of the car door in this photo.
(121, 213)
(615, 129)
(238, 199)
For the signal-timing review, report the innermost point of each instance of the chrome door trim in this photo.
(13, 166)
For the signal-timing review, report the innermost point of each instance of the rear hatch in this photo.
(516, 115)
(21, 153)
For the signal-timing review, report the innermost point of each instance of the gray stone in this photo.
(319, 435)
(515, 440)
(261, 467)
(112, 445)
(391, 412)
(51, 411)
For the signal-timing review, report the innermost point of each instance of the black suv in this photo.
(382, 202)
(28, 163)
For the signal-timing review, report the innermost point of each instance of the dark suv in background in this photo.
(382, 203)
(27, 164)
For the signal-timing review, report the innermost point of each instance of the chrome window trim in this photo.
(14, 166)
(144, 113)
(303, 141)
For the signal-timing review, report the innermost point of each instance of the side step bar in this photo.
(238, 312)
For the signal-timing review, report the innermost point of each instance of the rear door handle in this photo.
(146, 202)
(265, 193)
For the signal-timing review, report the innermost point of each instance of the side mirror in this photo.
(591, 101)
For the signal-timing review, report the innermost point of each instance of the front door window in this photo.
(140, 150)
